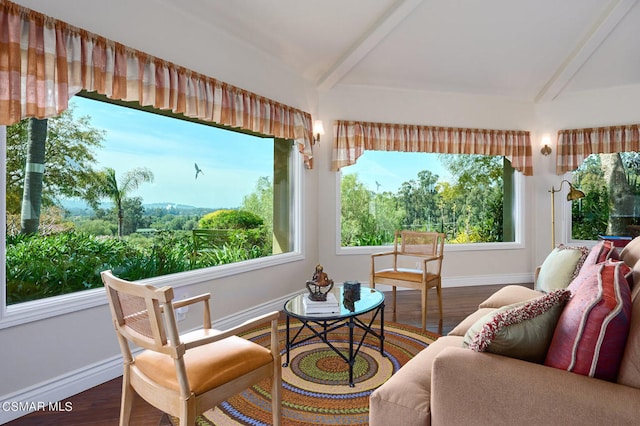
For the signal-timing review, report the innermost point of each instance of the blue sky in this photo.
(231, 162)
(392, 169)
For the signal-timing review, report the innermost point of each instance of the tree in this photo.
(33, 173)
(118, 190)
(474, 202)
(358, 224)
(620, 194)
(420, 200)
(260, 202)
(69, 163)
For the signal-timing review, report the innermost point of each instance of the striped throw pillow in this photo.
(591, 333)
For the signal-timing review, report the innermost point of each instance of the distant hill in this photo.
(81, 208)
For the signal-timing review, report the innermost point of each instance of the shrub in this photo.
(230, 219)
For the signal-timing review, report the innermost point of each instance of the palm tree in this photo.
(119, 190)
(33, 176)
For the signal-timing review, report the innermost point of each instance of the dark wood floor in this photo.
(100, 405)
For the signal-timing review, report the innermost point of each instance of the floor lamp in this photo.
(574, 194)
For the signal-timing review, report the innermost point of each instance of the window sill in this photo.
(349, 251)
(37, 310)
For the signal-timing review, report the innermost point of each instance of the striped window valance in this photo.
(575, 145)
(44, 62)
(352, 138)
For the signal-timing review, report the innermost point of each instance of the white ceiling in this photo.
(516, 48)
(527, 49)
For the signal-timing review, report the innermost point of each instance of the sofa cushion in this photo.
(630, 365)
(592, 331)
(560, 267)
(509, 295)
(629, 374)
(630, 254)
(463, 326)
(522, 330)
(405, 399)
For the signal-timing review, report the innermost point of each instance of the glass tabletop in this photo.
(349, 304)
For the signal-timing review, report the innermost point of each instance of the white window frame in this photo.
(35, 310)
(519, 214)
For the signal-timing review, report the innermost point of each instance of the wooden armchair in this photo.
(426, 250)
(185, 375)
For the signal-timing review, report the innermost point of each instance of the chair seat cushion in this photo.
(403, 274)
(207, 366)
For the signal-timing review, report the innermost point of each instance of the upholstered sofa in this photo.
(451, 382)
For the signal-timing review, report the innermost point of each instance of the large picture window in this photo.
(142, 192)
(611, 205)
(470, 198)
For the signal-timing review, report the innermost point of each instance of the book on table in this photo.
(330, 306)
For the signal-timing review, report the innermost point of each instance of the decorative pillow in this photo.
(560, 267)
(601, 252)
(509, 295)
(591, 333)
(522, 330)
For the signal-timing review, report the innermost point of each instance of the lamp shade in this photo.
(574, 194)
(318, 128)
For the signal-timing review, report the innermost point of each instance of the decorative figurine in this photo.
(319, 285)
(350, 294)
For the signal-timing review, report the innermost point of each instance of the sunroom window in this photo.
(611, 206)
(140, 192)
(470, 198)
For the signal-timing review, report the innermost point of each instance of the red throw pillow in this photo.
(601, 252)
(591, 333)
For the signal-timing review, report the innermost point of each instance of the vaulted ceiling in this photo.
(532, 50)
(517, 48)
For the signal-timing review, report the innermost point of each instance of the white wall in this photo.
(619, 105)
(606, 107)
(60, 356)
(472, 267)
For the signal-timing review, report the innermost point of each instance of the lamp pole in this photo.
(553, 215)
(573, 194)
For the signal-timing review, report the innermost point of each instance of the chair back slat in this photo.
(137, 311)
(135, 314)
(413, 243)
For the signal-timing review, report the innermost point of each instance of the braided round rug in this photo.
(315, 385)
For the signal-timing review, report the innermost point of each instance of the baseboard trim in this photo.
(65, 386)
(39, 396)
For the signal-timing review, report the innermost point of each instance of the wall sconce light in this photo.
(574, 194)
(318, 130)
(546, 149)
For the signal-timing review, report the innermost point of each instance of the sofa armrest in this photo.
(486, 389)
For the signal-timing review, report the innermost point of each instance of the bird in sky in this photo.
(198, 170)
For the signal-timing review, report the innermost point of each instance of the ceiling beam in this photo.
(598, 32)
(367, 42)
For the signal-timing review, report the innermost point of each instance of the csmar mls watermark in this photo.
(30, 406)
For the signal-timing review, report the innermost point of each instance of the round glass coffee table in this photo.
(347, 314)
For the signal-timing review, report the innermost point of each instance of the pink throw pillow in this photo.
(591, 333)
(601, 252)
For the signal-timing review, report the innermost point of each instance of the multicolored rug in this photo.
(316, 383)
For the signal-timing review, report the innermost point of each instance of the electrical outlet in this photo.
(181, 313)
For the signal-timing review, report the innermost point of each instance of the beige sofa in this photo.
(447, 384)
